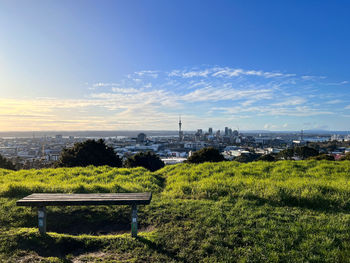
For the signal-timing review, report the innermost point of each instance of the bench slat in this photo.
(54, 199)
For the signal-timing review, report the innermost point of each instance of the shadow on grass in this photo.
(161, 250)
(318, 203)
(47, 246)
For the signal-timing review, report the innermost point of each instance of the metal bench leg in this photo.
(42, 219)
(134, 221)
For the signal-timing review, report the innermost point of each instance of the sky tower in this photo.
(181, 134)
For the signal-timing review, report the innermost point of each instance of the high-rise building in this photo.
(226, 131)
(181, 134)
(210, 131)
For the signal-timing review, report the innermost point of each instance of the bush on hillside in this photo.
(268, 158)
(90, 152)
(6, 164)
(247, 158)
(208, 154)
(305, 152)
(322, 157)
(346, 157)
(286, 154)
(148, 160)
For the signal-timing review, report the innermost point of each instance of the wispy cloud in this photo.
(334, 101)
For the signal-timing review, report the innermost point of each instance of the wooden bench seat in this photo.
(47, 199)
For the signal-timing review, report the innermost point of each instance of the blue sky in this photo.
(117, 65)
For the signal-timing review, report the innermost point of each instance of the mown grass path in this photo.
(285, 211)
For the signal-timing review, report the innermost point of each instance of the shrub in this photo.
(267, 157)
(147, 160)
(6, 164)
(90, 152)
(346, 157)
(208, 154)
(322, 157)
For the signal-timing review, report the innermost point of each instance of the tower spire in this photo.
(180, 131)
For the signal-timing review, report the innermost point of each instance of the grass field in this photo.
(286, 211)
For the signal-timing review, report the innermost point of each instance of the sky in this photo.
(139, 65)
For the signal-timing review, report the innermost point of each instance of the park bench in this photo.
(43, 200)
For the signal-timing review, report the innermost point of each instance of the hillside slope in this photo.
(285, 211)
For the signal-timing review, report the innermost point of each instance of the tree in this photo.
(286, 154)
(247, 158)
(208, 154)
(90, 152)
(268, 157)
(305, 152)
(322, 157)
(346, 157)
(148, 160)
(6, 164)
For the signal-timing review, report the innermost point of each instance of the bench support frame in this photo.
(134, 220)
(42, 214)
(42, 219)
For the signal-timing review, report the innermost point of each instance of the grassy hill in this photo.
(287, 211)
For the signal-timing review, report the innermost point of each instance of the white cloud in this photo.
(219, 94)
(225, 72)
(291, 102)
(148, 73)
(103, 84)
(334, 101)
(125, 90)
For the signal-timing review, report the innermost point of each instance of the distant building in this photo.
(141, 137)
(181, 134)
(210, 131)
(226, 131)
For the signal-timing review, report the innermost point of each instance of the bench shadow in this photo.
(90, 220)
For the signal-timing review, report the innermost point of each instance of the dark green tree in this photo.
(208, 154)
(305, 152)
(90, 152)
(6, 164)
(148, 160)
(286, 154)
(346, 157)
(247, 158)
(268, 157)
(322, 157)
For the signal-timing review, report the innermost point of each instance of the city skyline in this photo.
(139, 65)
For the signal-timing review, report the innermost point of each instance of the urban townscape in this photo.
(175, 147)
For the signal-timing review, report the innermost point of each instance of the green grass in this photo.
(284, 211)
